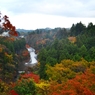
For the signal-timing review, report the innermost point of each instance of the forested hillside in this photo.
(42, 37)
(68, 58)
(12, 51)
(12, 57)
(66, 61)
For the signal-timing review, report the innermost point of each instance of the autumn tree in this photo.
(82, 84)
(60, 72)
(5, 25)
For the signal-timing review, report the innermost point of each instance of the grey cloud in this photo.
(70, 8)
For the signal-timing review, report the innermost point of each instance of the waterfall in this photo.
(33, 57)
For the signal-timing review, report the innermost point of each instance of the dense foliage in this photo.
(73, 48)
(11, 53)
(66, 64)
(42, 37)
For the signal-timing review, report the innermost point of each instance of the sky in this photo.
(35, 14)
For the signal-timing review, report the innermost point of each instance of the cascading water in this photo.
(33, 57)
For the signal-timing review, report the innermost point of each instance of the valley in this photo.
(56, 61)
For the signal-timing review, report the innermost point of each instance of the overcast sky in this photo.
(33, 14)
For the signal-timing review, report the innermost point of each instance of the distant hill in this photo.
(23, 30)
(41, 37)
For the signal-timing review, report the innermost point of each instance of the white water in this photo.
(33, 57)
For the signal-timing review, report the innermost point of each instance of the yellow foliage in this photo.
(59, 72)
(43, 87)
(92, 69)
(82, 63)
(9, 57)
(4, 88)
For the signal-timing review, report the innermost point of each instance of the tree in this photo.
(90, 25)
(92, 53)
(4, 88)
(5, 25)
(51, 61)
(83, 51)
(83, 84)
(77, 29)
(43, 87)
(42, 59)
(59, 72)
(25, 87)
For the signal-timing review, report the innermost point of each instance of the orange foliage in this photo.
(72, 39)
(6, 25)
(83, 84)
(31, 75)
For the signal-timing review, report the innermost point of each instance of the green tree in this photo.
(92, 53)
(51, 61)
(83, 51)
(77, 29)
(42, 59)
(25, 87)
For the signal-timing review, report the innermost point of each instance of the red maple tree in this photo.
(32, 76)
(6, 25)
